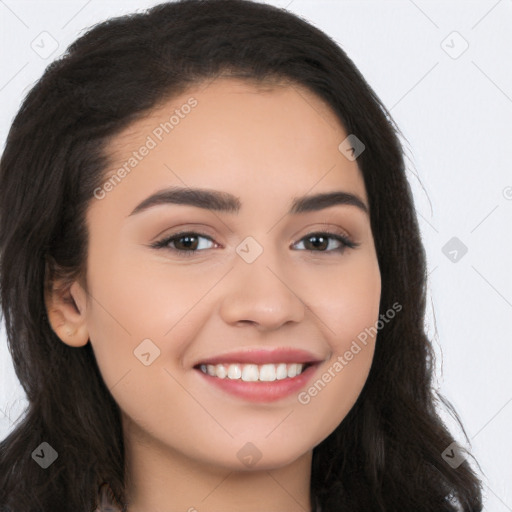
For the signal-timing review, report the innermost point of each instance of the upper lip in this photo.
(261, 356)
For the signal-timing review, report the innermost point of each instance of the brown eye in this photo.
(320, 242)
(185, 243)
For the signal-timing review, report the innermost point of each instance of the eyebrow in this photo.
(225, 202)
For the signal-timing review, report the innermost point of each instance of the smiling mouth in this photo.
(254, 372)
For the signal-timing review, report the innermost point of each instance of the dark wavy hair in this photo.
(386, 455)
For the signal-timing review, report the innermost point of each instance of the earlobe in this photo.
(66, 309)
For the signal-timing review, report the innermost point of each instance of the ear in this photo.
(66, 308)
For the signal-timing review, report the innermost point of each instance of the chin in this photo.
(248, 457)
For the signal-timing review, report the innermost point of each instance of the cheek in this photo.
(349, 312)
(123, 312)
(138, 308)
(139, 327)
(348, 300)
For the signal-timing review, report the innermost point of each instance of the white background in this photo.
(455, 110)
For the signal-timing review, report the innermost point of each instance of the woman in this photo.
(213, 281)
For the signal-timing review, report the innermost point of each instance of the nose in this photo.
(261, 294)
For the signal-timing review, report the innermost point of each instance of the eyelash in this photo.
(346, 243)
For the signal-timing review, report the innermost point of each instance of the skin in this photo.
(265, 146)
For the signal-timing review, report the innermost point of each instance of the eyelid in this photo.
(325, 227)
(197, 228)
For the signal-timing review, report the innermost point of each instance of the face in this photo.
(246, 278)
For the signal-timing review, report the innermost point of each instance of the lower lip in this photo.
(262, 391)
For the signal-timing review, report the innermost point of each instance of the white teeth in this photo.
(293, 370)
(234, 371)
(268, 373)
(281, 372)
(250, 373)
(253, 372)
(221, 371)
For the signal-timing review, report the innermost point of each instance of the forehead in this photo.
(239, 134)
(276, 106)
